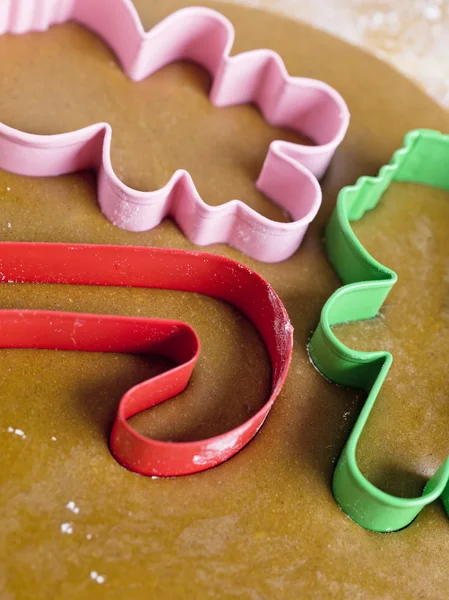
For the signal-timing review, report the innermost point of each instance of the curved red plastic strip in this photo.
(203, 273)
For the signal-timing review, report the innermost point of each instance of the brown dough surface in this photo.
(263, 525)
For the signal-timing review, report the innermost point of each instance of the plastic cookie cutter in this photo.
(204, 36)
(212, 275)
(424, 159)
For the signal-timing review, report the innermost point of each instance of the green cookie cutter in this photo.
(424, 159)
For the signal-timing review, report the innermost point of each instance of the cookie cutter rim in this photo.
(422, 159)
(288, 167)
(216, 276)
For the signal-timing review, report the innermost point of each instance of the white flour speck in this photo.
(73, 507)
(432, 13)
(66, 528)
(89, 536)
(53, 439)
(96, 577)
(9, 225)
(18, 432)
(8, 189)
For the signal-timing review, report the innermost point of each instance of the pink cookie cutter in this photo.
(204, 36)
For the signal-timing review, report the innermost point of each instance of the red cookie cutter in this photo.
(203, 36)
(141, 267)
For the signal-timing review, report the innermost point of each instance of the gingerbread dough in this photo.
(263, 525)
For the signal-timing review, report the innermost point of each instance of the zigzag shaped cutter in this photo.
(203, 36)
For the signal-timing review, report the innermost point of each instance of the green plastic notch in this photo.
(424, 159)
